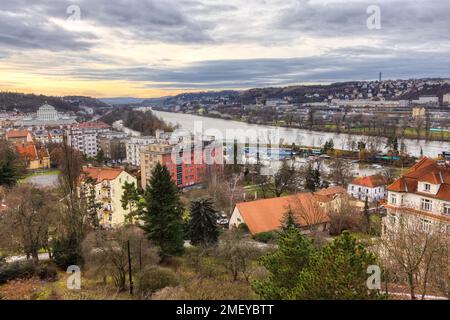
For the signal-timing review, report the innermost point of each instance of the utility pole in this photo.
(129, 268)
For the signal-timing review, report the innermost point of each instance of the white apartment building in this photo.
(84, 137)
(422, 194)
(373, 188)
(134, 146)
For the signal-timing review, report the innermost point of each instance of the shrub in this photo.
(154, 278)
(17, 270)
(47, 271)
(243, 227)
(266, 237)
(66, 252)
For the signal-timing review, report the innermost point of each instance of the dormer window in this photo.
(427, 187)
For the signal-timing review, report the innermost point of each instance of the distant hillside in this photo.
(86, 101)
(121, 100)
(10, 101)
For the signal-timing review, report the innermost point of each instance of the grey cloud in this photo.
(340, 65)
(401, 20)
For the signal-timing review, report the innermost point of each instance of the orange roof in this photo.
(27, 151)
(426, 170)
(17, 134)
(331, 191)
(371, 181)
(267, 214)
(101, 174)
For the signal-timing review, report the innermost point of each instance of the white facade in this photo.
(426, 200)
(134, 147)
(236, 219)
(361, 192)
(85, 140)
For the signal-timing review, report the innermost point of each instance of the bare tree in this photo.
(106, 254)
(25, 225)
(344, 216)
(340, 171)
(411, 251)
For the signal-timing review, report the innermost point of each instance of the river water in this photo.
(297, 136)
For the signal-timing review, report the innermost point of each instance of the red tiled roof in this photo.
(92, 125)
(17, 134)
(101, 174)
(426, 170)
(27, 151)
(267, 214)
(371, 181)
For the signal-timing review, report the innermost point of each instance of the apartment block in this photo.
(84, 137)
(188, 165)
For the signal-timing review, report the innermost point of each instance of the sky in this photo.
(153, 48)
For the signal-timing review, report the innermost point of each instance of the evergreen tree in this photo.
(289, 221)
(284, 265)
(130, 201)
(203, 230)
(313, 180)
(366, 214)
(10, 169)
(338, 271)
(93, 206)
(310, 179)
(162, 218)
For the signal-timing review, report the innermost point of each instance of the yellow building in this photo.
(109, 184)
(34, 158)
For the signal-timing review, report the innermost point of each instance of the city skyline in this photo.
(157, 48)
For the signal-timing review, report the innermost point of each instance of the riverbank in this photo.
(298, 136)
(408, 133)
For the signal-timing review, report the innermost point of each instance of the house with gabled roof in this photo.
(422, 193)
(310, 211)
(372, 187)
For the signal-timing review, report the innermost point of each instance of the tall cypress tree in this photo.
(162, 218)
(203, 228)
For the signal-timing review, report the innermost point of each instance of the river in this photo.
(297, 136)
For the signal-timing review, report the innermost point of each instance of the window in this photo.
(427, 187)
(392, 219)
(426, 205)
(447, 209)
(425, 225)
(394, 199)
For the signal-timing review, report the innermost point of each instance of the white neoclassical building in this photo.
(46, 116)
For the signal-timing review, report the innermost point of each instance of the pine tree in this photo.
(203, 230)
(10, 170)
(163, 215)
(93, 206)
(284, 265)
(338, 271)
(130, 201)
(289, 221)
(310, 179)
(366, 214)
